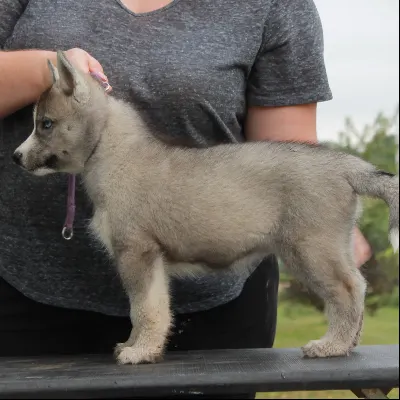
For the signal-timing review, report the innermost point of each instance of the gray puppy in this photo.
(162, 209)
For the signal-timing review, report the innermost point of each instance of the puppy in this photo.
(162, 210)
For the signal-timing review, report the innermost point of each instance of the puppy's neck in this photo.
(122, 134)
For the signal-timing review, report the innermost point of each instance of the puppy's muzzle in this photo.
(17, 157)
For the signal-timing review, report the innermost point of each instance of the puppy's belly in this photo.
(183, 270)
(242, 265)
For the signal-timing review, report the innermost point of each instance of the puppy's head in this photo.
(65, 120)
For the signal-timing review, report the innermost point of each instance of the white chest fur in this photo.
(101, 228)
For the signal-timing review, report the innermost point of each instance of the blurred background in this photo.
(362, 61)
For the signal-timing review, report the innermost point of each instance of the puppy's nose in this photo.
(17, 157)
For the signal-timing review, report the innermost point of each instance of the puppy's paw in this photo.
(325, 348)
(137, 355)
(119, 347)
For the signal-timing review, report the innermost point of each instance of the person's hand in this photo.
(362, 249)
(82, 60)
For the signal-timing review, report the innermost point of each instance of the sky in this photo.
(362, 60)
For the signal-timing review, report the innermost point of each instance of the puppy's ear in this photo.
(70, 80)
(54, 72)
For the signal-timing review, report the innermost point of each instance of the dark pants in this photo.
(29, 328)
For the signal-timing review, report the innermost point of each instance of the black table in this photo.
(217, 372)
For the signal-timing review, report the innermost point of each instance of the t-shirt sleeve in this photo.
(10, 11)
(290, 68)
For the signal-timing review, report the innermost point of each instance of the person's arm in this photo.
(23, 77)
(291, 123)
(15, 68)
(25, 74)
(288, 80)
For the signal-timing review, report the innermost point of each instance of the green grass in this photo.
(298, 324)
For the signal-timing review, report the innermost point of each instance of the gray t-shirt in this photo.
(191, 68)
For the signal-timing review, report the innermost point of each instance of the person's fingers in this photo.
(88, 64)
(95, 66)
(104, 82)
(362, 248)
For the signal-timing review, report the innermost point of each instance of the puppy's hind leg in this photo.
(146, 283)
(357, 338)
(326, 269)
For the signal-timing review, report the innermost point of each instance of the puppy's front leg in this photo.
(144, 278)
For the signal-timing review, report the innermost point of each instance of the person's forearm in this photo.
(294, 123)
(24, 75)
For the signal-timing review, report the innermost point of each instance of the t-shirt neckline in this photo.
(149, 13)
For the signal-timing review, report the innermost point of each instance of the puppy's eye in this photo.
(47, 123)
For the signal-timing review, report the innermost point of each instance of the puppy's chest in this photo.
(101, 227)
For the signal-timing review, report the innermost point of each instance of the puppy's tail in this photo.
(365, 179)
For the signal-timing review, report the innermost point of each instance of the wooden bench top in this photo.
(220, 371)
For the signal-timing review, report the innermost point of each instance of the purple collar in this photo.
(68, 228)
